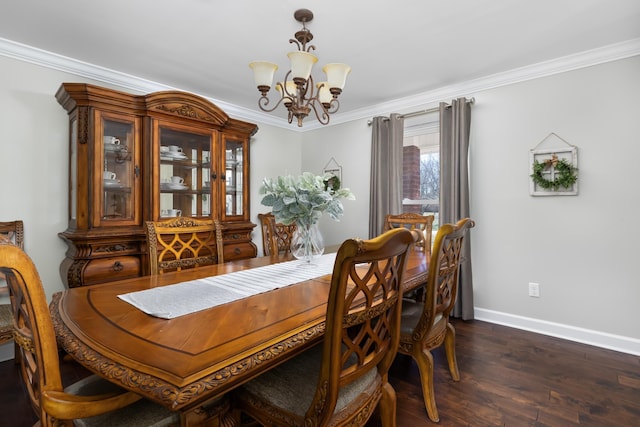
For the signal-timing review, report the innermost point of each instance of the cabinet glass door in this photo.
(234, 162)
(185, 173)
(117, 169)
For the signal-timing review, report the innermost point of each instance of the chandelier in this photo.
(297, 92)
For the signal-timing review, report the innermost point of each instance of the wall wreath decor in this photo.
(333, 168)
(553, 168)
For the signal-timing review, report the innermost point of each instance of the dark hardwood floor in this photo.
(508, 378)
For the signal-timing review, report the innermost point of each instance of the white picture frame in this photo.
(333, 168)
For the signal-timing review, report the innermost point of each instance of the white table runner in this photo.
(172, 301)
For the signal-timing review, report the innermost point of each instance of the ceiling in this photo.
(396, 49)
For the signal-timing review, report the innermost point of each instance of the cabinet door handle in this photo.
(214, 176)
(136, 170)
(117, 266)
(223, 176)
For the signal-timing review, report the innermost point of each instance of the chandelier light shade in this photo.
(298, 93)
(263, 72)
(336, 75)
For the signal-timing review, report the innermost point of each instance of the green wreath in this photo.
(567, 174)
(332, 183)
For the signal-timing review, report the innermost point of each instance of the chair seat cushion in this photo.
(292, 385)
(6, 320)
(142, 413)
(411, 313)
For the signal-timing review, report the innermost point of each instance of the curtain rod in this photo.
(421, 112)
(429, 110)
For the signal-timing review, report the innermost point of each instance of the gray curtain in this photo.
(455, 123)
(386, 170)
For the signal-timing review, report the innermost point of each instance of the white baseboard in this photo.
(571, 333)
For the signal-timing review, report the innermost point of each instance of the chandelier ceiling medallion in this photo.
(298, 92)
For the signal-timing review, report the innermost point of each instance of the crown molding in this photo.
(430, 99)
(422, 100)
(129, 82)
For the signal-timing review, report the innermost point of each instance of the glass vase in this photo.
(307, 243)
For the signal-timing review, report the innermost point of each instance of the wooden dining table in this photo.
(189, 363)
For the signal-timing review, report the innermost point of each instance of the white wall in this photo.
(274, 152)
(349, 144)
(34, 148)
(581, 249)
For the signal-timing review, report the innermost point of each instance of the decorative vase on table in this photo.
(303, 200)
(307, 242)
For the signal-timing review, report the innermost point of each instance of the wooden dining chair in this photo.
(276, 237)
(11, 232)
(423, 224)
(91, 401)
(412, 221)
(182, 243)
(341, 381)
(425, 325)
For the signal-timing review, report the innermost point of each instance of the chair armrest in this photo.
(65, 406)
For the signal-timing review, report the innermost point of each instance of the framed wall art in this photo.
(333, 168)
(553, 168)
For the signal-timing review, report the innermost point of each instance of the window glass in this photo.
(421, 169)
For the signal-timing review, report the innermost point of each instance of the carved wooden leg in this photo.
(215, 413)
(450, 349)
(387, 406)
(425, 366)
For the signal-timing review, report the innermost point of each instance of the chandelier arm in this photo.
(322, 117)
(296, 43)
(263, 101)
(334, 106)
(283, 86)
(308, 94)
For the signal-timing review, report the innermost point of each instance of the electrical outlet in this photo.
(534, 290)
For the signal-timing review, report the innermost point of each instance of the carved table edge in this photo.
(161, 391)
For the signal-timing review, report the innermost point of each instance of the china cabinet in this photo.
(135, 158)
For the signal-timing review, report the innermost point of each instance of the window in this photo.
(421, 167)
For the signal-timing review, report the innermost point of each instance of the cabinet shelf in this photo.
(178, 192)
(188, 192)
(117, 190)
(188, 164)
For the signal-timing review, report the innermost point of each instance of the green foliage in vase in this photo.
(304, 199)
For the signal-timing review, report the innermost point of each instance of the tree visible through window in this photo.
(430, 176)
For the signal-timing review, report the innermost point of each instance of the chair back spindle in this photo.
(183, 243)
(413, 221)
(10, 232)
(276, 237)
